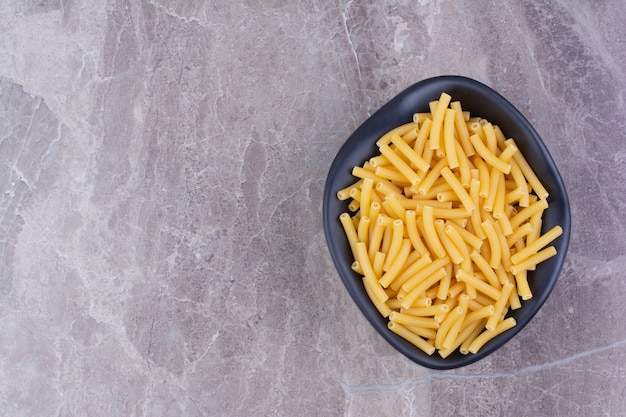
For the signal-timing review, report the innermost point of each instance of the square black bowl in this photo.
(481, 101)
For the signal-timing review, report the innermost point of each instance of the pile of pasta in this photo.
(444, 225)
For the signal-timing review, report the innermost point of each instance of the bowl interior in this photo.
(481, 101)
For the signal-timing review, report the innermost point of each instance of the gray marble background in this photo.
(161, 173)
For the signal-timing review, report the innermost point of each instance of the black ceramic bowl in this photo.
(481, 101)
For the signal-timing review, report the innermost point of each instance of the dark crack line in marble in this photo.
(349, 389)
(149, 350)
(344, 17)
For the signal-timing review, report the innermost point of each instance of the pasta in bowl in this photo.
(447, 220)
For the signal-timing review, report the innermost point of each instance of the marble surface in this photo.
(161, 174)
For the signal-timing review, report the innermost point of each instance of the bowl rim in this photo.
(392, 114)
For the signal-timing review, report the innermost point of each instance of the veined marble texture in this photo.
(161, 174)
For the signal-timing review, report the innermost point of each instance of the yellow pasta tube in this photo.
(377, 236)
(508, 152)
(525, 213)
(461, 128)
(409, 153)
(411, 228)
(523, 289)
(464, 335)
(430, 233)
(390, 173)
(424, 273)
(394, 206)
(393, 303)
(410, 320)
(494, 181)
(366, 196)
(373, 212)
(403, 332)
(488, 156)
(479, 285)
(470, 291)
(483, 177)
(490, 137)
(385, 187)
(514, 301)
(480, 313)
(438, 115)
(444, 283)
(431, 177)
(478, 327)
(356, 267)
(438, 186)
(457, 240)
(400, 130)
(414, 256)
(487, 335)
(344, 193)
(363, 173)
(458, 189)
(414, 294)
(500, 138)
(454, 315)
(427, 153)
(411, 135)
(449, 213)
(432, 105)
(456, 289)
(504, 223)
(520, 181)
(425, 333)
(421, 117)
(411, 270)
(486, 269)
(515, 195)
(494, 242)
(455, 328)
(505, 251)
(449, 140)
(377, 264)
(375, 292)
(378, 302)
(518, 234)
(417, 203)
(355, 193)
(498, 204)
(363, 229)
(447, 196)
(536, 222)
(396, 241)
(465, 169)
(397, 264)
(530, 175)
(467, 236)
(427, 311)
(351, 234)
(402, 166)
(475, 127)
(453, 252)
(533, 260)
(378, 161)
(475, 217)
(422, 137)
(542, 241)
(501, 303)
(384, 220)
(422, 302)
